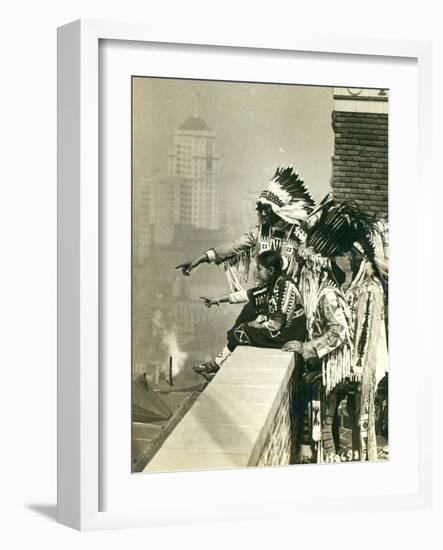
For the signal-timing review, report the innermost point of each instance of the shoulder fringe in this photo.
(237, 270)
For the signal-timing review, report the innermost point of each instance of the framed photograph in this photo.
(231, 267)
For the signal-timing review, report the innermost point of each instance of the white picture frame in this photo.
(80, 445)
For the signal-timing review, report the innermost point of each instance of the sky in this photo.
(258, 127)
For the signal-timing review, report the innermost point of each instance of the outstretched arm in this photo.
(222, 252)
(235, 248)
(188, 266)
(212, 301)
(239, 297)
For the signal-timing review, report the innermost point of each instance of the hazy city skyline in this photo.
(258, 126)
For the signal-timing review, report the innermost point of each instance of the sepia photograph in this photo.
(259, 274)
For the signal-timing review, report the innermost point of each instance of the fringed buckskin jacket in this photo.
(237, 255)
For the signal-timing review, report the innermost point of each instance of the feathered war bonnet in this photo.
(334, 228)
(288, 196)
(375, 252)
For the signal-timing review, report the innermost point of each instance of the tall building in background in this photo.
(194, 158)
(159, 207)
(186, 197)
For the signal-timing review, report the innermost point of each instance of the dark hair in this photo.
(259, 209)
(271, 258)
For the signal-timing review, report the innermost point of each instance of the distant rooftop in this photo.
(194, 123)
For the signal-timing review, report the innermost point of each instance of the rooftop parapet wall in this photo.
(241, 419)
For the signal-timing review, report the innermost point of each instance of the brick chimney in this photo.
(360, 161)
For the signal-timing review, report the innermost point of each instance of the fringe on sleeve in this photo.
(237, 270)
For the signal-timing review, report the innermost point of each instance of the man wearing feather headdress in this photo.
(283, 207)
(366, 298)
(328, 352)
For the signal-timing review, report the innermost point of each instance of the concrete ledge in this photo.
(229, 424)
